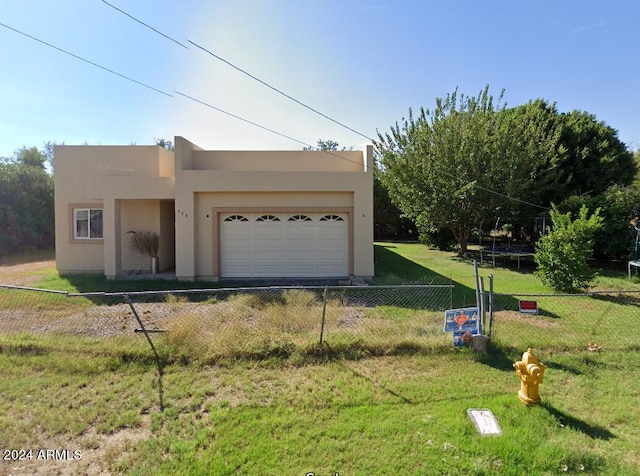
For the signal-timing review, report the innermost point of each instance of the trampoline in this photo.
(508, 251)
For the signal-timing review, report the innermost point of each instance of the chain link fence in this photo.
(294, 321)
(206, 326)
(550, 323)
(304, 322)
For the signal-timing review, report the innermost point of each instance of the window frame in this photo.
(74, 210)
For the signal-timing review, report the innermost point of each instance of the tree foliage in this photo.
(388, 221)
(454, 166)
(592, 157)
(164, 143)
(471, 160)
(588, 156)
(619, 205)
(328, 144)
(30, 156)
(26, 205)
(562, 254)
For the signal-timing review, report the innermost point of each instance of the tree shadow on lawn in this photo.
(393, 268)
(566, 420)
(503, 357)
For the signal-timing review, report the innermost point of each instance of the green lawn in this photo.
(395, 414)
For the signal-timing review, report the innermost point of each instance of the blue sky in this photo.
(361, 62)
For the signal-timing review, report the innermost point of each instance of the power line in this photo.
(226, 112)
(241, 118)
(167, 94)
(279, 91)
(510, 198)
(257, 79)
(235, 116)
(85, 60)
(288, 97)
(145, 24)
(239, 69)
(250, 75)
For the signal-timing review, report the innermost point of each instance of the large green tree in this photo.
(593, 157)
(588, 157)
(465, 161)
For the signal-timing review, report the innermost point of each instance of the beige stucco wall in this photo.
(100, 176)
(167, 235)
(137, 215)
(278, 161)
(251, 179)
(147, 187)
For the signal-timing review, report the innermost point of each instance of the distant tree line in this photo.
(26, 200)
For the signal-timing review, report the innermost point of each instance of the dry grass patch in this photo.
(263, 325)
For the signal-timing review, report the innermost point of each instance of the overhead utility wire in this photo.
(85, 60)
(279, 91)
(229, 113)
(145, 24)
(241, 70)
(235, 116)
(285, 95)
(507, 196)
(221, 110)
(265, 128)
(167, 94)
(240, 118)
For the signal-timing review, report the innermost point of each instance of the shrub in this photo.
(615, 239)
(562, 254)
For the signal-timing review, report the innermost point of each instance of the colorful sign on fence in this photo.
(462, 323)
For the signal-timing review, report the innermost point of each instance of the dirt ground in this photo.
(89, 454)
(27, 268)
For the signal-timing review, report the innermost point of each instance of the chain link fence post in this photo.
(324, 311)
(127, 300)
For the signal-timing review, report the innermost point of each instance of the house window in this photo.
(299, 218)
(87, 224)
(331, 218)
(268, 218)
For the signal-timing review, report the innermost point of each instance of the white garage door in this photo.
(293, 245)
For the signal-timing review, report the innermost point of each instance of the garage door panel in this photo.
(300, 270)
(260, 230)
(231, 270)
(264, 256)
(304, 256)
(331, 255)
(231, 243)
(267, 271)
(238, 256)
(330, 245)
(237, 235)
(299, 245)
(266, 244)
(300, 241)
(331, 270)
(302, 229)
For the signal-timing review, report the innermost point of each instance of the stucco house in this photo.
(218, 214)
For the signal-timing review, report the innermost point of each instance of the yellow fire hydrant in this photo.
(531, 373)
